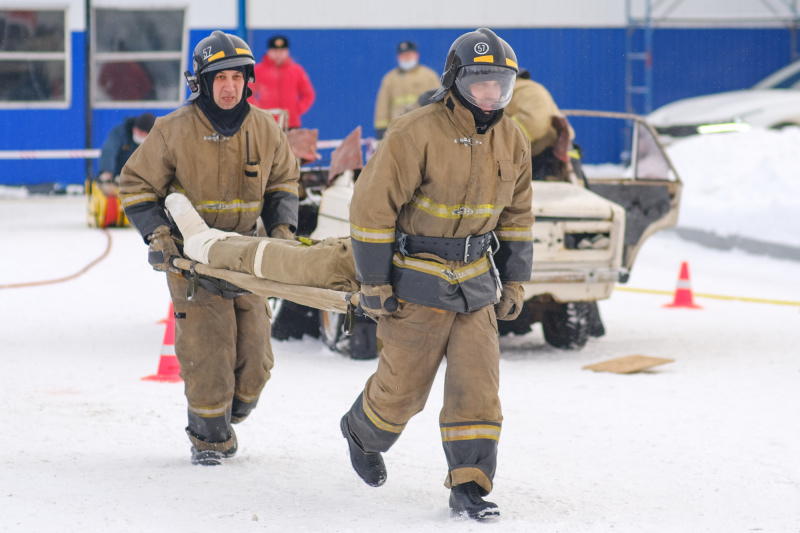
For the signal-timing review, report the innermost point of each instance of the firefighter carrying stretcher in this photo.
(234, 162)
(440, 226)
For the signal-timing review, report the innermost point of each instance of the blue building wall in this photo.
(583, 68)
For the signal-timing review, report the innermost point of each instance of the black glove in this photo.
(162, 249)
(377, 300)
(511, 301)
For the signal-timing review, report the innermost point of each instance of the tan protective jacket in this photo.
(434, 176)
(399, 92)
(532, 107)
(229, 180)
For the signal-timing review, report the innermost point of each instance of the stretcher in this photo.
(318, 298)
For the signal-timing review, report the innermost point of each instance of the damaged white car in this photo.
(587, 234)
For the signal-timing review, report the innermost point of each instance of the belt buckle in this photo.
(466, 248)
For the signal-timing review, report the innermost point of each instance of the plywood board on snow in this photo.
(628, 364)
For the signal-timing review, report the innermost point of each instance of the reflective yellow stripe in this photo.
(511, 63)
(454, 211)
(524, 129)
(484, 59)
(233, 206)
(510, 233)
(137, 198)
(218, 55)
(243, 51)
(379, 423)
(246, 397)
(292, 189)
(381, 124)
(211, 411)
(404, 99)
(450, 434)
(452, 276)
(372, 235)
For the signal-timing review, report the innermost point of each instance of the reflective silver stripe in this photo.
(452, 276)
(233, 206)
(258, 258)
(168, 349)
(137, 198)
(245, 398)
(209, 412)
(471, 432)
(383, 236)
(510, 233)
(454, 211)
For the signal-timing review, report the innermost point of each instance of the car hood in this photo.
(722, 107)
(554, 199)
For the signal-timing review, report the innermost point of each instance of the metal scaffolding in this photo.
(647, 15)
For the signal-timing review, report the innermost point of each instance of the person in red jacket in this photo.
(281, 83)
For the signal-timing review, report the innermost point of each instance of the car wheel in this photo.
(567, 326)
(330, 328)
(361, 344)
(291, 320)
(364, 340)
(519, 326)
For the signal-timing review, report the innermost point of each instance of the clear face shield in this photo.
(486, 86)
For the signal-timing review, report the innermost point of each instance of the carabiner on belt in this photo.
(490, 254)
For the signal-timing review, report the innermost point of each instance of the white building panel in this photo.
(200, 13)
(514, 13)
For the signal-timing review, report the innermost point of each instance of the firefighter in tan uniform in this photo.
(552, 154)
(234, 164)
(533, 108)
(440, 226)
(401, 87)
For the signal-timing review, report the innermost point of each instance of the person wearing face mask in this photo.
(234, 164)
(104, 208)
(401, 87)
(120, 143)
(441, 232)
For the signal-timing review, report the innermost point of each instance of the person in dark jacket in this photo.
(120, 143)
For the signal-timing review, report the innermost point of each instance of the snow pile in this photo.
(743, 184)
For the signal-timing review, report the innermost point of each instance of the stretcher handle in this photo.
(319, 298)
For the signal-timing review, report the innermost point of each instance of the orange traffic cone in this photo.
(683, 294)
(168, 367)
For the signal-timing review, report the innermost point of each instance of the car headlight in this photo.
(691, 129)
(723, 128)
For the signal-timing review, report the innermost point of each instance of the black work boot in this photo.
(369, 466)
(214, 455)
(466, 498)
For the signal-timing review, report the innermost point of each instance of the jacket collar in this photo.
(268, 61)
(460, 116)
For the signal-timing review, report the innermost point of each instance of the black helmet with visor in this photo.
(219, 51)
(483, 68)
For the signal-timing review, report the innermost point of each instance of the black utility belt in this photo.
(466, 249)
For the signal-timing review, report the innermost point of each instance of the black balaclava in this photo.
(225, 121)
(482, 120)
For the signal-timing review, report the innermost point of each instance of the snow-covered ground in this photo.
(708, 443)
